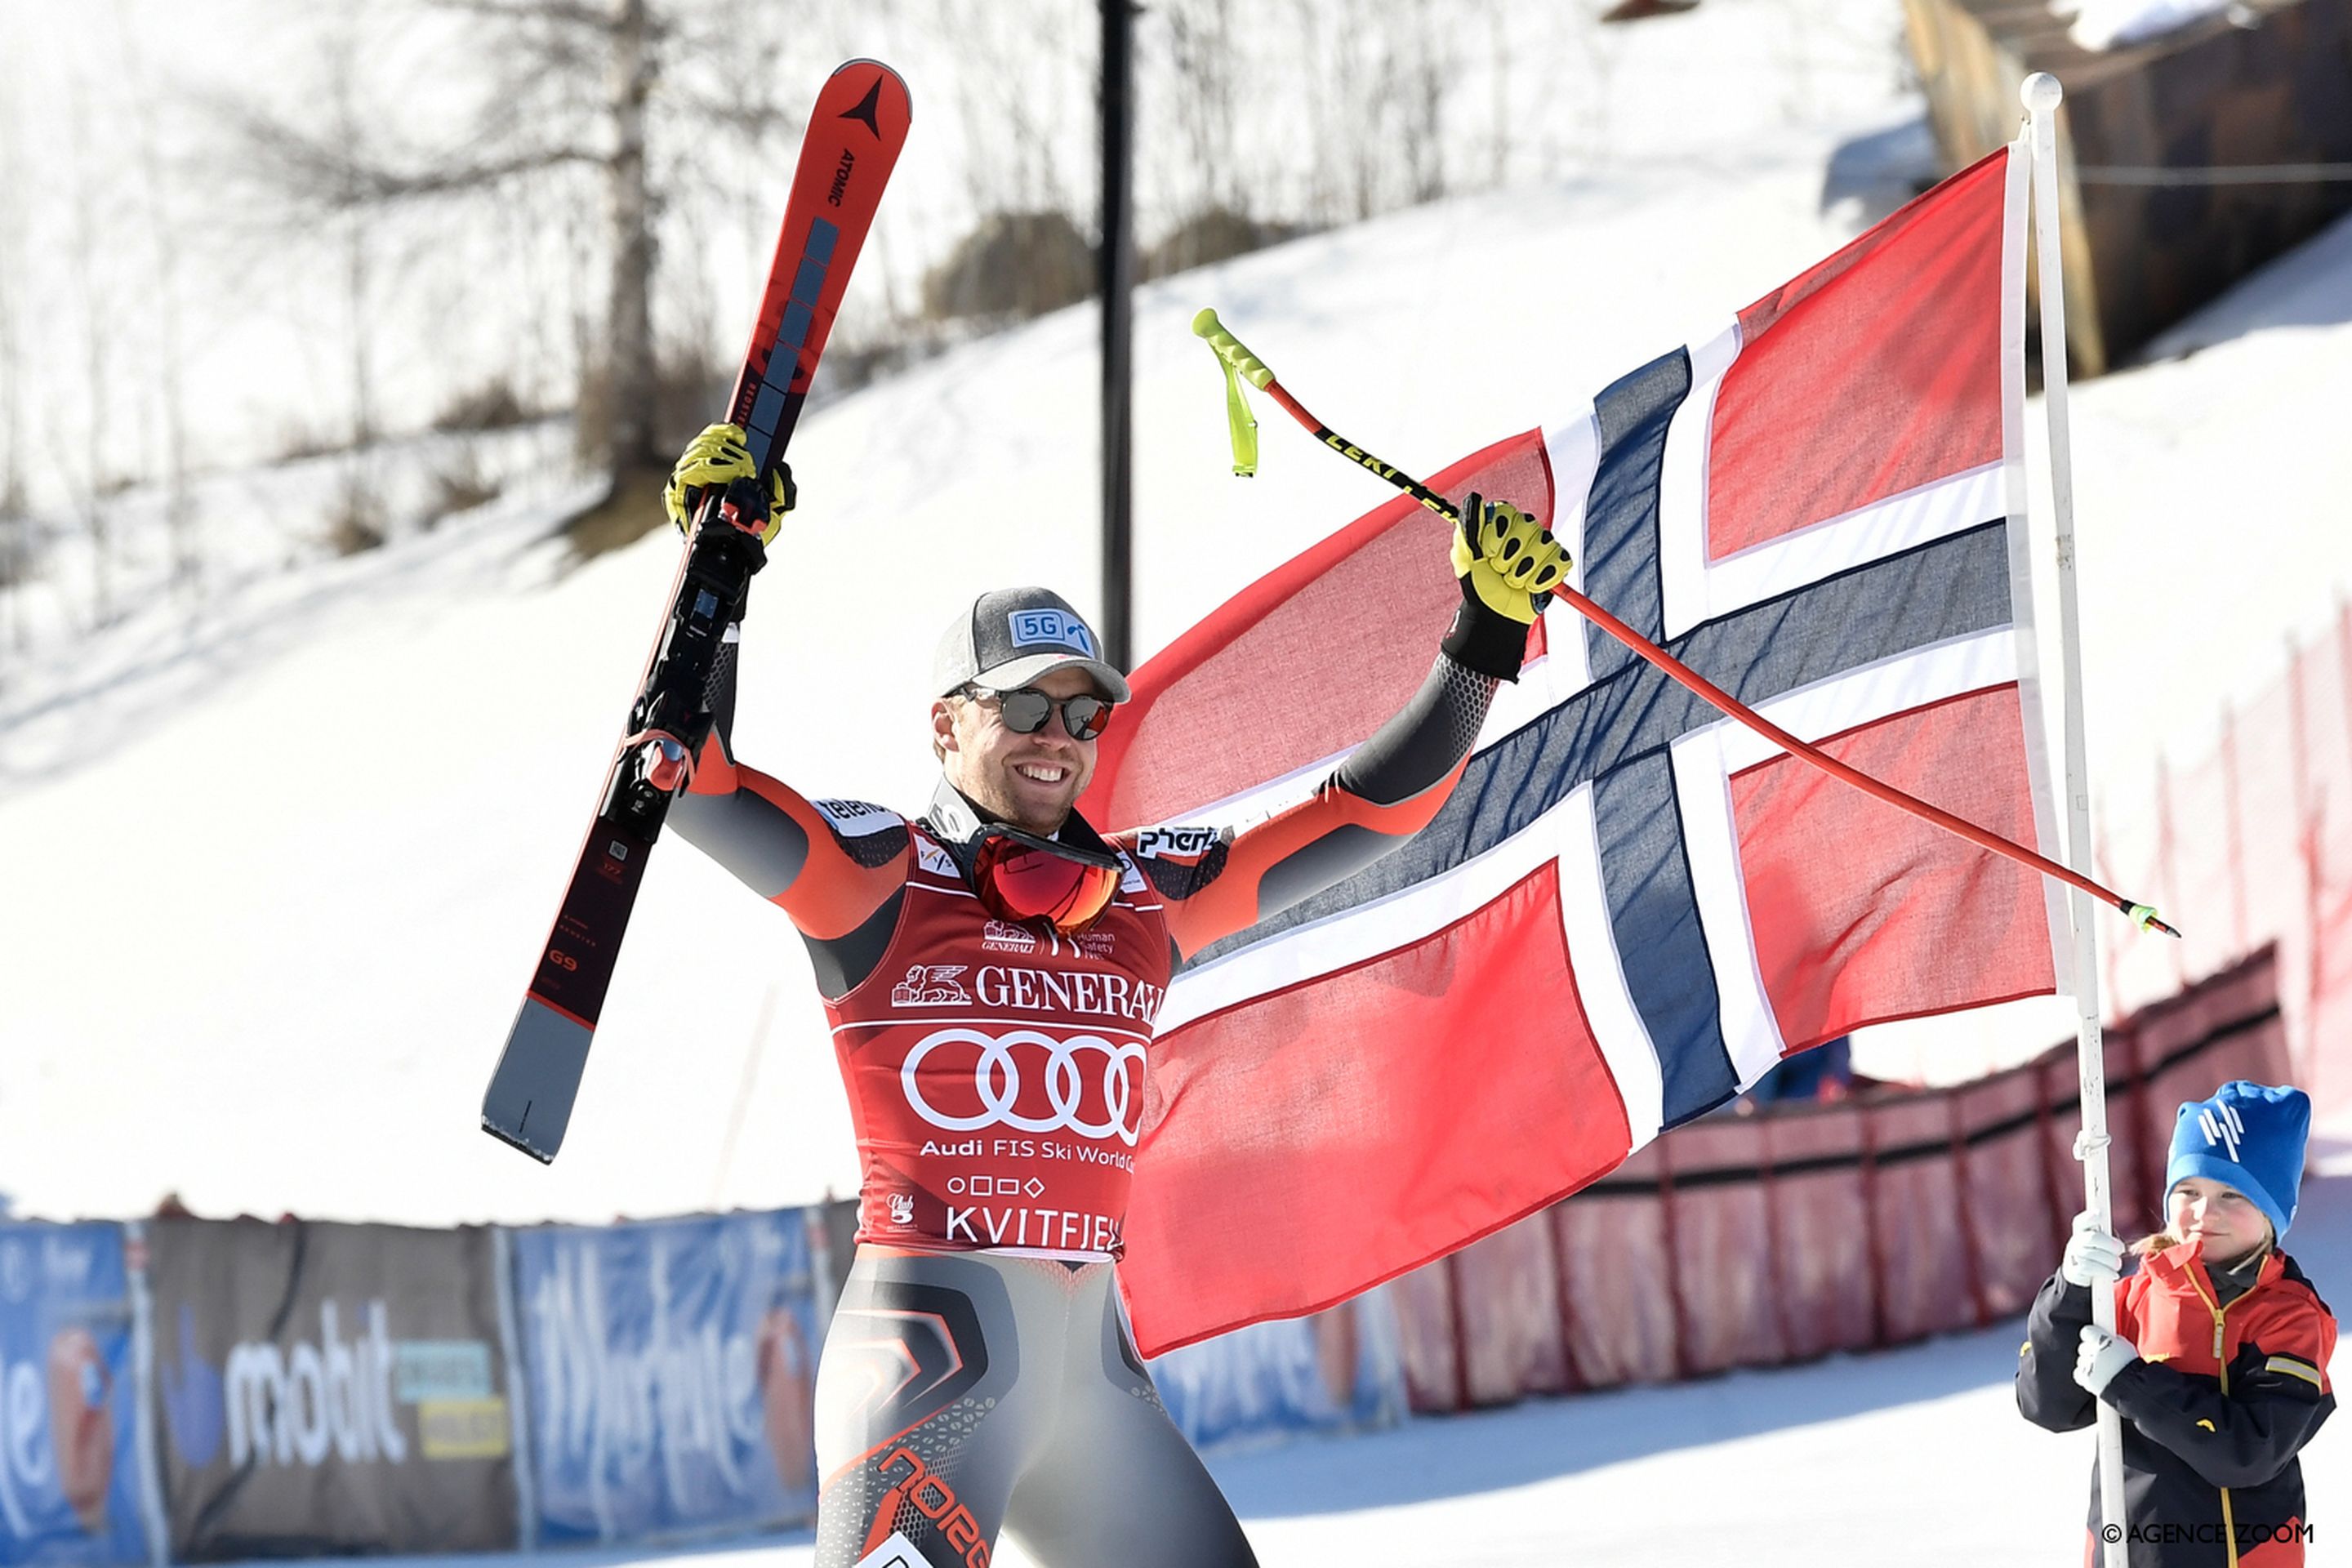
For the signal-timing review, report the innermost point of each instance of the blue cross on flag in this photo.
(1631, 907)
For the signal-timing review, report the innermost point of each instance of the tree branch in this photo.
(565, 12)
(726, 110)
(336, 178)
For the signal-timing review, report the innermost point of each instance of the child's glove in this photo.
(2103, 1355)
(2093, 1257)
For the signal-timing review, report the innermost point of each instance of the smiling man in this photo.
(1012, 661)
(991, 970)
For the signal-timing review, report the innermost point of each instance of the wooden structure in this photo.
(2185, 161)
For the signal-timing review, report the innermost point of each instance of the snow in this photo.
(290, 872)
(2103, 24)
(284, 869)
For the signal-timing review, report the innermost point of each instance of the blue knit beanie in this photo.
(2249, 1136)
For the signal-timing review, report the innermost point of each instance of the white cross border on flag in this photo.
(1693, 591)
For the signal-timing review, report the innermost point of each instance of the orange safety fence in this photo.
(1801, 1229)
(2251, 844)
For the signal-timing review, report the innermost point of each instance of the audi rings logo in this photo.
(1084, 1085)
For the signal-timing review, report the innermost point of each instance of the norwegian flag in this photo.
(1632, 907)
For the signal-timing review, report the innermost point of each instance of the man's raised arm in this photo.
(1393, 785)
(830, 865)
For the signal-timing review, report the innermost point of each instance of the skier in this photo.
(2219, 1364)
(992, 969)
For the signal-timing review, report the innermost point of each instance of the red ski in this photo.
(854, 135)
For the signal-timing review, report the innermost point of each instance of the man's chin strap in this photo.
(955, 822)
(955, 819)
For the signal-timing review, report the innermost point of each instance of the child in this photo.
(2219, 1362)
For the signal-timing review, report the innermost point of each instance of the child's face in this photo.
(2219, 1216)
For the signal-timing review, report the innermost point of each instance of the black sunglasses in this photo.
(1026, 710)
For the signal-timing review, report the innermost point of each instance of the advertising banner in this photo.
(670, 1370)
(327, 1389)
(1334, 1371)
(70, 1484)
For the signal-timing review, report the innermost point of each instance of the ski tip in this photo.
(905, 99)
(882, 66)
(530, 1099)
(515, 1139)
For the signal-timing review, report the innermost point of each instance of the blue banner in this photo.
(70, 1490)
(1338, 1371)
(671, 1369)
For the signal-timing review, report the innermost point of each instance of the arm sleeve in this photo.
(1386, 791)
(2277, 1399)
(2047, 1394)
(830, 870)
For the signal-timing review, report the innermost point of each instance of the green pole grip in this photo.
(1235, 362)
(1247, 365)
(1241, 424)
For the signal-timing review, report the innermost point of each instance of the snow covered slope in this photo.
(275, 897)
(275, 885)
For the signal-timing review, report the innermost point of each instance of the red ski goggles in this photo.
(1023, 877)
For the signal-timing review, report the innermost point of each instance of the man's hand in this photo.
(2094, 1258)
(1505, 558)
(2102, 1356)
(717, 458)
(1506, 564)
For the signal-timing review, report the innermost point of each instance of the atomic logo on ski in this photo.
(869, 110)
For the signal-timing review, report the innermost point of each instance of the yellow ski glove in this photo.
(1508, 565)
(1507, 558)
(717, 458)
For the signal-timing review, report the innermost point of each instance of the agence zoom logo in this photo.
(2209, 1533)
(1028, 1080)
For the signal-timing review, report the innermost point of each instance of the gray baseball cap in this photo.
(1010, 638)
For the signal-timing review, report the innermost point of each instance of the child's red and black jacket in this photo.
(2231, 1382)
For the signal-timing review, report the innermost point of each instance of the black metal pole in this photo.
(1116, 273)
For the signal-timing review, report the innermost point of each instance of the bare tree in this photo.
(1203, 101)
(14, 524)
(1025, 64)
(1356, 84)
(1504, 42)
(631, 394)
(359, 522)
(1414, 78)
(163, 235)
(569, 88)
(101, 472)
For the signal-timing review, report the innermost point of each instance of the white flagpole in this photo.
(2041, 94)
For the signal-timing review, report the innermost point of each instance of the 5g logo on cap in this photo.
(1048, 625)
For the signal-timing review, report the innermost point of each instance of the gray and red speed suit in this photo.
(978, 1375)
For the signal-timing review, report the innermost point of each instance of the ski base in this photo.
(529, 1102)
